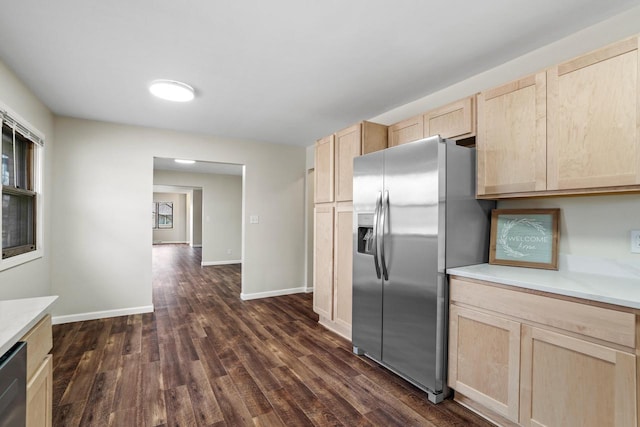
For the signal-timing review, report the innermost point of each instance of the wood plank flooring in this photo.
(207, 358)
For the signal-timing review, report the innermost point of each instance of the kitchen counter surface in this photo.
(18, 316)
(606, 281)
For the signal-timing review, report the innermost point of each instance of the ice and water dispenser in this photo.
(366, 234)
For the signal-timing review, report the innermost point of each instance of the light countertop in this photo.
(607, 281)
(18, 316)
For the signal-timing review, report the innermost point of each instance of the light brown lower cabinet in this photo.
(485, 359)
(573, 382)
(333, 266)
(39, 398)
(528, 358)
(39, 374)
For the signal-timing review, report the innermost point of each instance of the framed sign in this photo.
(524, 238)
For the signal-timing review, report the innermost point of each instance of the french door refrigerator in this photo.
(415, 215)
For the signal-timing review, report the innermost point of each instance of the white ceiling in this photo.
(286, 71)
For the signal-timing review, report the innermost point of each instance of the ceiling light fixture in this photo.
(184, 161)
(172, 90)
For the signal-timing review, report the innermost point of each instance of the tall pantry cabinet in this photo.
(333, 220)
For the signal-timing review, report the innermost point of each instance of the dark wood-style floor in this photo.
(207, 358)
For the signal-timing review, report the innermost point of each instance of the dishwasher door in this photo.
(13, 386)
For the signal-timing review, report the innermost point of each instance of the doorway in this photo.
(213, 198)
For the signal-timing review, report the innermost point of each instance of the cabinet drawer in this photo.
(39, 342)
(590, 321)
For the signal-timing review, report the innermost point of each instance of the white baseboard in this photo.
(56, 320)
(196, 246)
(169, 242)
(208, 263)
(277, 293)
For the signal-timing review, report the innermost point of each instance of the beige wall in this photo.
(32, 278)
(590, 226)
(594, 226)
(221, 212)
(105, 263)
(178, 233)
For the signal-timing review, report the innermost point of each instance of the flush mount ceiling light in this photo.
(184, 161)
(171, 90)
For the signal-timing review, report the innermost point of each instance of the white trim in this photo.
(169, 242)
(209, 263)
(56, 320)
(196, 246)
(279, 292)
(14, 261)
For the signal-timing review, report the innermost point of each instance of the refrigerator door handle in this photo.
(376, 217)
(383, 220)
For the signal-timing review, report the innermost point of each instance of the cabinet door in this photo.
(511, 140)
(39, 395)
(374, 137)
(456, 120)
(406, 131)
(343, 266)
(347, 147)
(324, 170)
(484, 359)
(323, 261)
(570, 382)
(593, 105)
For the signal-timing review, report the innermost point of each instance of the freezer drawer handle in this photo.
(383, 219)
(376, 216)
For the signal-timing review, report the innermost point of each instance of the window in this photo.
(162, 214)
(20, 189)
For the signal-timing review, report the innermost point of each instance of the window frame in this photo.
(37, 171)
(156, 221)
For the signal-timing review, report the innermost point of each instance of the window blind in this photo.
(5, 118)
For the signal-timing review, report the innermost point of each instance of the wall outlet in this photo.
(228, 251)
(254, 219)
(635, 241)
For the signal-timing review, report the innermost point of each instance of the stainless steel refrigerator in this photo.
(415, 215)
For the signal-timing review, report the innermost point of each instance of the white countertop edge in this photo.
(18, 316)
(461, 272)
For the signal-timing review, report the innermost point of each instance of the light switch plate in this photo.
(635, 241)
(254, 219)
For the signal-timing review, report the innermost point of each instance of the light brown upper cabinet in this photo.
(456, 120)
(593, 104)
(362, 138)
(324, 170)
(511, 140)
(453, 121)
(571, 129)
(406, 131)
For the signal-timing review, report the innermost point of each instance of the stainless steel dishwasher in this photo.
(13, 386)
